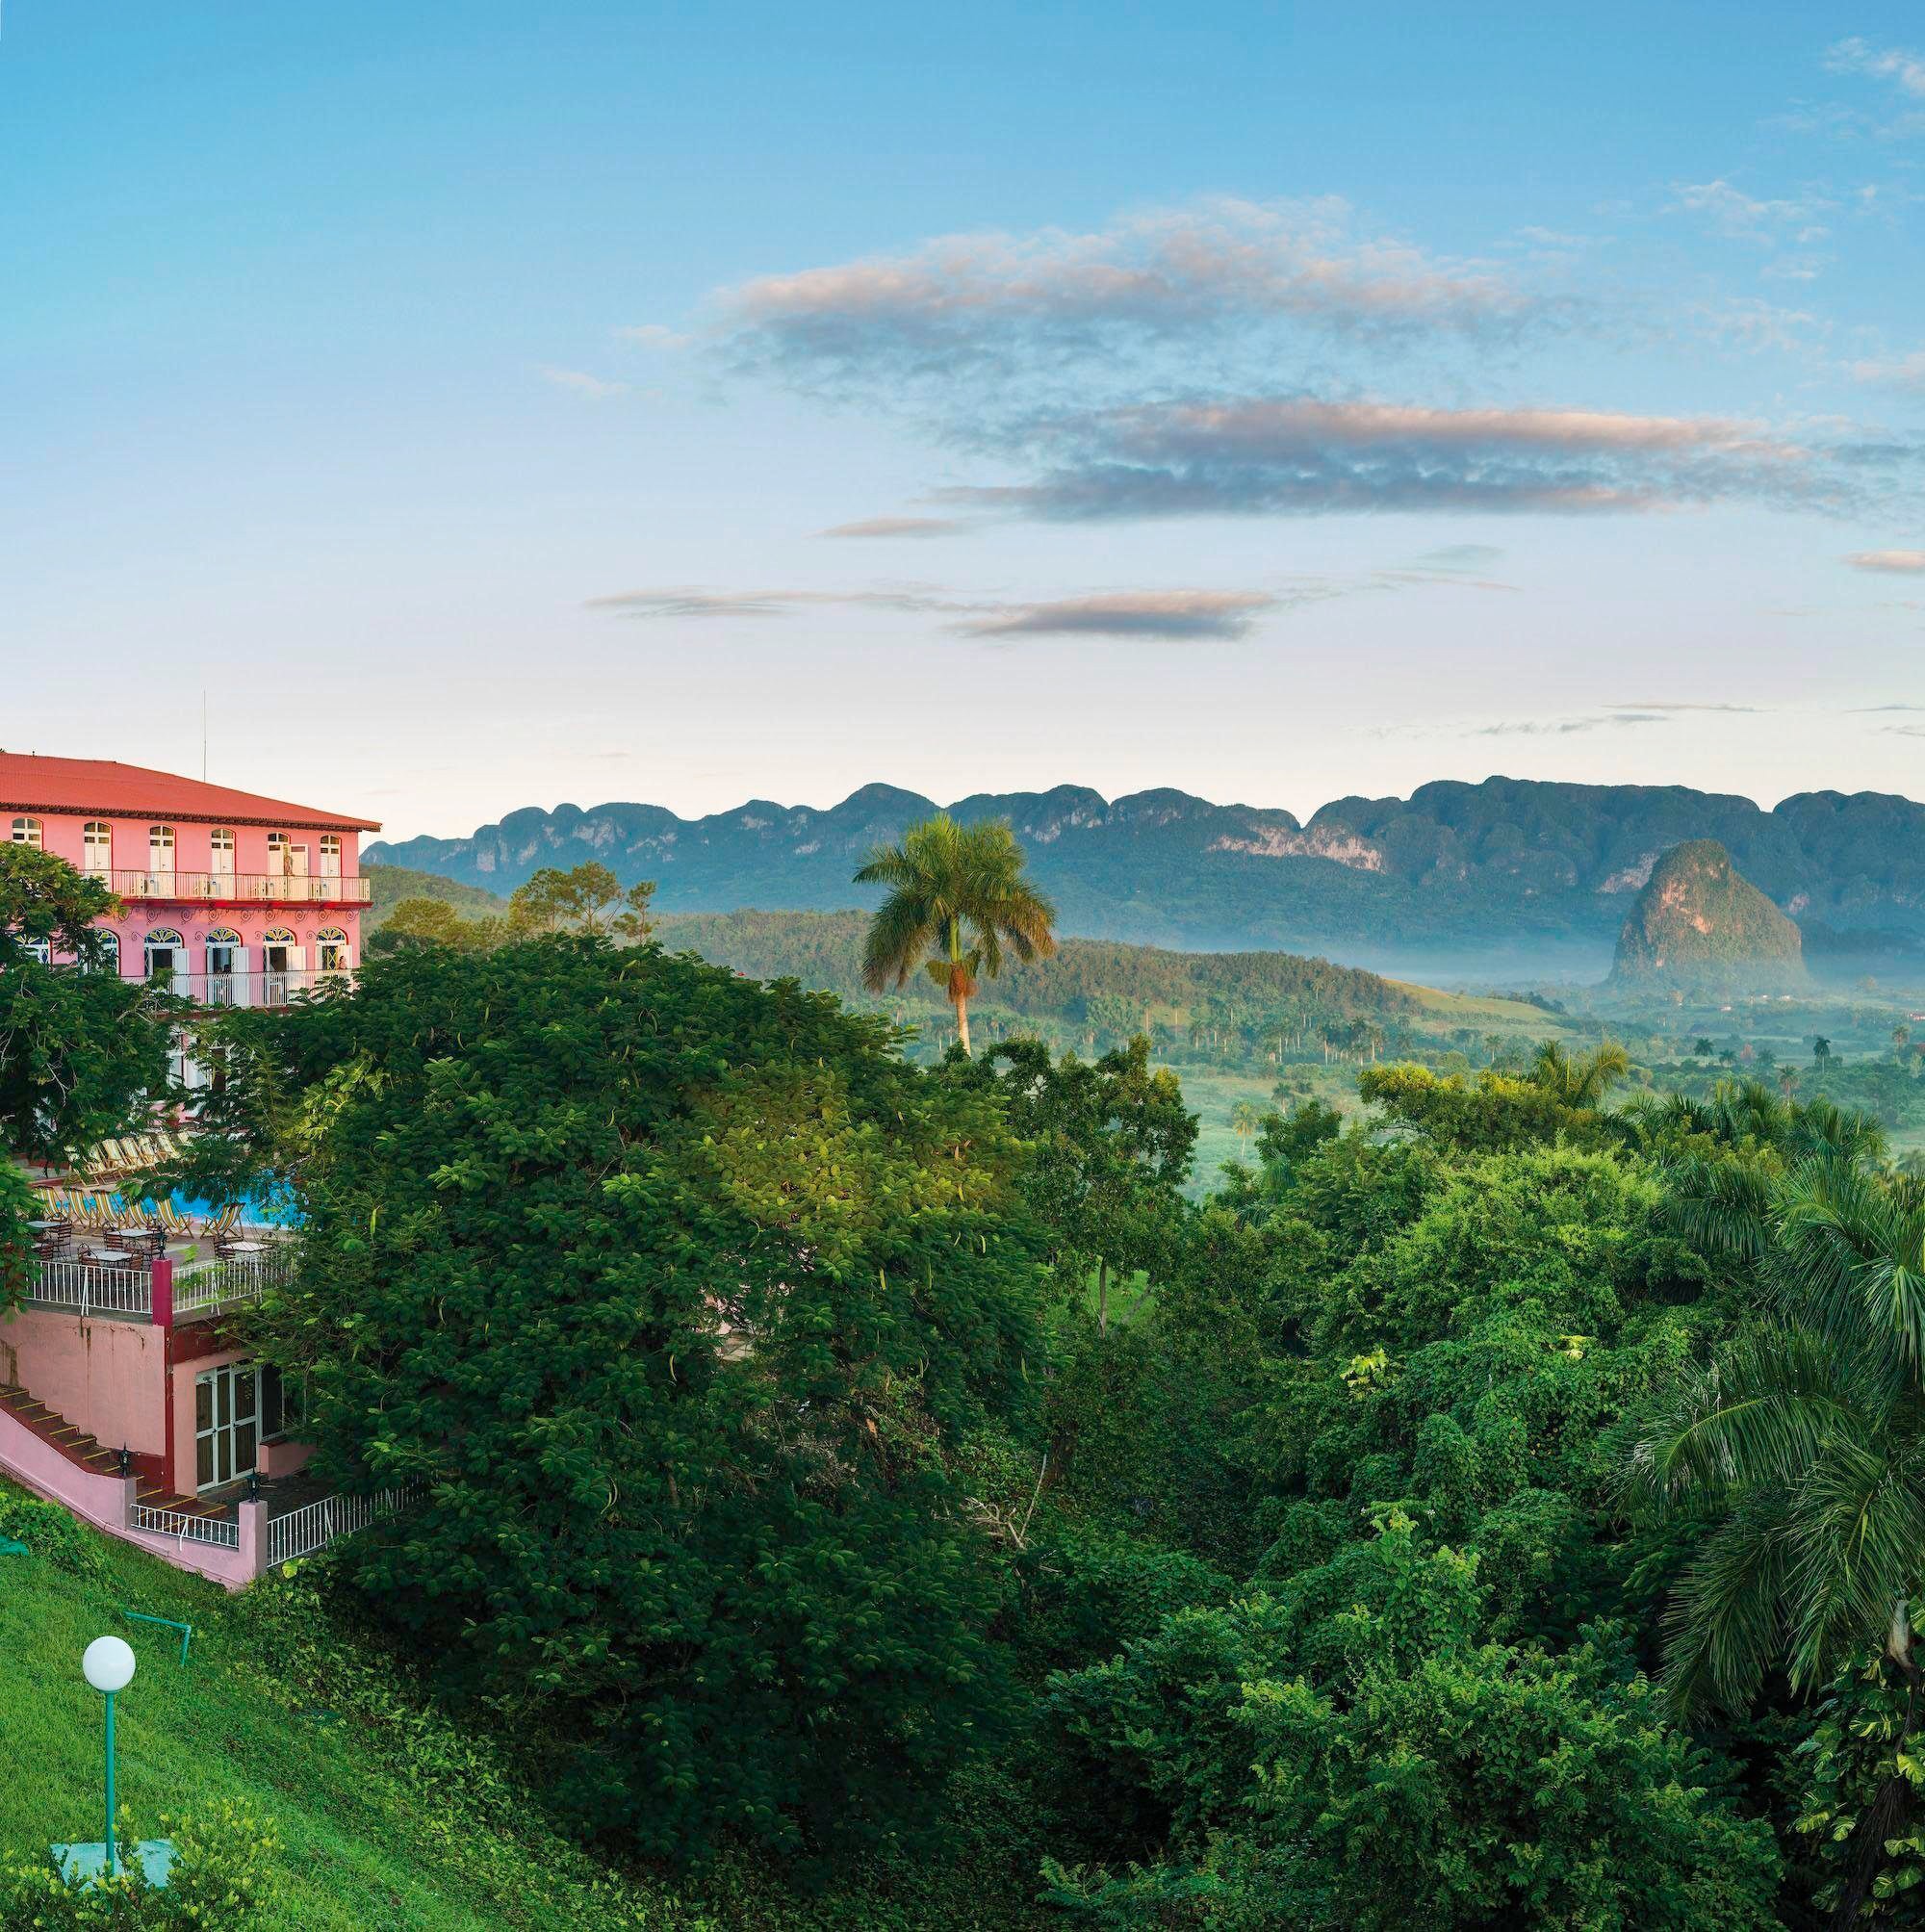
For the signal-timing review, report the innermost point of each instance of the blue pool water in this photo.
(272, 1207)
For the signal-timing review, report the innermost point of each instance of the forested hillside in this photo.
(1095, 993)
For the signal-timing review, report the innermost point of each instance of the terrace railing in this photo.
(183, 1528)
(127, 1294)
(88, 1290)
(301, 1531)
(240, 888)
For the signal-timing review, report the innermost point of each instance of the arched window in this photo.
(38, 949)
(27, 832)
(166, 953)
(110, 951)
(279, 936)
(96, 844)
(330, 950)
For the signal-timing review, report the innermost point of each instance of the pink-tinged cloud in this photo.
(1891, 562)
(898, 526)
(1135, 613)
(1303, 455)
(963, 302)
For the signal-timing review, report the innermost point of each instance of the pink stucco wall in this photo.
(106, 1377)
(193, 843)
(61, 833)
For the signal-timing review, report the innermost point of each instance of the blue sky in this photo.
(1276, 402)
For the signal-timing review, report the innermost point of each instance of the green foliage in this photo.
(585, 898)
(84, 1053)
(1088, 1589)
(1109, 1150)
(224, 1874)
(674, 1294)
(1351, 1752)
(1806, 1433)
(51, 1533)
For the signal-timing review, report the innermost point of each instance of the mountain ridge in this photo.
(1453, 868)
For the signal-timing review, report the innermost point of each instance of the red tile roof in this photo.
(30, 783)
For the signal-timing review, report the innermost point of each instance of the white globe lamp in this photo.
(108, 1664)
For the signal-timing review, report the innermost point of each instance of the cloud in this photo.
(696, 602)
(1747, 218)
(1903, 68)
(1284, 456)
(577, 382)
(898, 526)
(1903, 372)
(653, 335)
(1566, 727)
(1178, 615)
(1663, 705)
(966, 305)
(1892, 562)
(1142, 613)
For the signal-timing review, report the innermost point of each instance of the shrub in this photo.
(222, 1875)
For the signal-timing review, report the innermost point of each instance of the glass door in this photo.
(226, 1424)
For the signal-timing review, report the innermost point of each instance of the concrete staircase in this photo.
(86, 1452)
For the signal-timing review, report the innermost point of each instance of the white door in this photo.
(227, 1425)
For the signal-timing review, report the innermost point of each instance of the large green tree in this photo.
(672, 1296)
(84, 1053)
(957, 898)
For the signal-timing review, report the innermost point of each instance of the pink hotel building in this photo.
(238, 900)
(126, 1392)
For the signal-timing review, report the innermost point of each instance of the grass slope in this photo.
(371, 1837)
(390, 1815)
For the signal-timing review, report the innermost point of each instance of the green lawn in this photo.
(368, 1839)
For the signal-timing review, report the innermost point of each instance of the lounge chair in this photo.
(173, 1223)
(221, 1226)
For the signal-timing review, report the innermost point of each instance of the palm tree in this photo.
(1584, 1081)
(1821, 1048)
(943, 878)
(1809, 1434)
(1244, 1120)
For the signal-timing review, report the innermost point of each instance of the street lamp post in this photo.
(108, 1666)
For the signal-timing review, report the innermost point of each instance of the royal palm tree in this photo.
(1584, 1081)
(1244, 1120)
(957, 898)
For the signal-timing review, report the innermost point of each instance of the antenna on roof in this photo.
(203, 734)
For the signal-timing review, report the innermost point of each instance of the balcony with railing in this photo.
(165, 1292)
(240, 888)
(248, 988)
